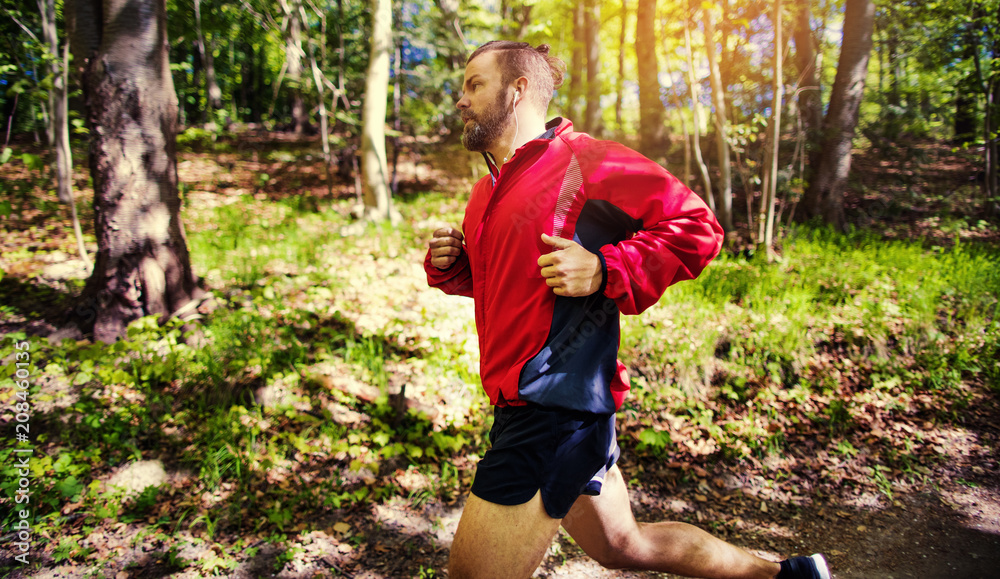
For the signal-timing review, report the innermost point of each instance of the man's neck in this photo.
(526, 128)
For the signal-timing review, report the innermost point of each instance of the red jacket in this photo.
(648, 229)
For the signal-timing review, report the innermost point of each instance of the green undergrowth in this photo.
(250, 416)
(840, 327)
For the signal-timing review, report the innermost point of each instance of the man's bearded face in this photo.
(482, 129)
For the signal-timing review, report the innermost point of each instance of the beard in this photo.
(484, 129)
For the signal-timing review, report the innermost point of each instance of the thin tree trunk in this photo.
(592, 25)
(378, 203)
(212, 90)
(397, 103)
(777, 89)
(577, 67)
(650, 106)
(292, 67)
(992, 195)
(810, 95)
(59, 121)
(825, 196)
(143, 266)
(724, 203)
(675, 98)
(449, 17)
(693, 87)
(324, 128)
(620, 83)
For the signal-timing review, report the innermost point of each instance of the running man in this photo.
(564, 234)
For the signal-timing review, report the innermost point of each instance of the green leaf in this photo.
(32, 162)
(69, 487)
(5, 155)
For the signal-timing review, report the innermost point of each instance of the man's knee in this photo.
(614, 553)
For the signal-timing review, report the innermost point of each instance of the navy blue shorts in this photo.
(563, 453)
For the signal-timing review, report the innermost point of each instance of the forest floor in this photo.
(940, 519)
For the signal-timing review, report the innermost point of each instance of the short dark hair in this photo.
(517, 59)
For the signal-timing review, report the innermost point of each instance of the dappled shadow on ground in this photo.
(922, 190)
(274, 166)
(35, 308)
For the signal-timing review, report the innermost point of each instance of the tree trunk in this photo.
(324, 130)
(378, 204)
(292, 27)
(143, 266)
(693, 86)
(450, 19)
(894, 100)
(59, 118)
(620, 82)
(825, 196)
(650, 106)
(810, 95)
(592, 26)
(397, 101)
(675, 97)
(212, 91)
(577, 66)
(724, 201)
(992, 175)
(771, 179)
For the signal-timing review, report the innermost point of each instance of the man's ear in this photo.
(520, 86)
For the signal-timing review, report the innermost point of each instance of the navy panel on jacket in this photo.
(580, 357)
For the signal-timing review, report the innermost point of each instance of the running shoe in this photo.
(812, 567)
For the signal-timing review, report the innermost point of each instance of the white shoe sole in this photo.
(824, 571)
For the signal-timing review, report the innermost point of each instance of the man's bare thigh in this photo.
(499, 541)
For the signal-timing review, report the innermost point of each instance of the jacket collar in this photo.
(553, 128)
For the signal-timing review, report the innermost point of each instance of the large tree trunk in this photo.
(650, 106)
(592, 26)
(143, 266)
(825, 196)
(724, 200)
(378, 205)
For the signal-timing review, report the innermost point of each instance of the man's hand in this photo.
(570, 270)
(446, 246)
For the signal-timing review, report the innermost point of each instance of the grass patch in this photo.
(840, 322)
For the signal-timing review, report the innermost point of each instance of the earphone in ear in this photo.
(517, 95)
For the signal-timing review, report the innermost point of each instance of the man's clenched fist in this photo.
(446, 246)
(570, 270)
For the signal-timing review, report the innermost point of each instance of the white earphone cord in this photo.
(513, 106)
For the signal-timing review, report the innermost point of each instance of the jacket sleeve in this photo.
(456, 280)
(679, 235)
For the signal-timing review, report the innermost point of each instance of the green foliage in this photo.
(748, 333)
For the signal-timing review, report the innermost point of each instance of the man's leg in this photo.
(606, 530)
(500, 542)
